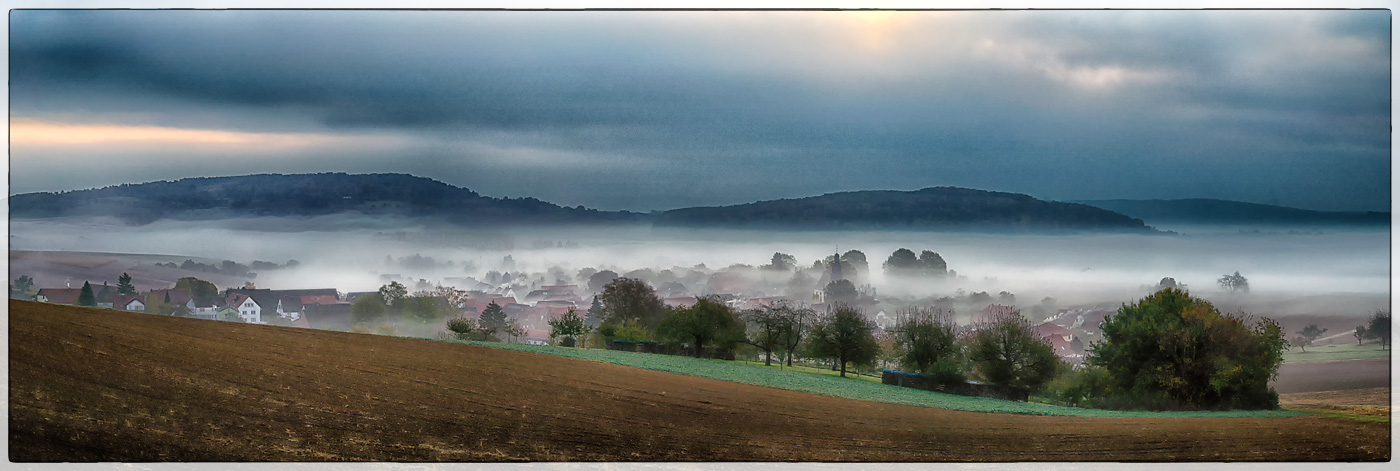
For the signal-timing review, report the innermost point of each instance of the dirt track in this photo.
(89, 385)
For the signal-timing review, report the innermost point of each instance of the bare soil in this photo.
(99, 385)
(1370, 402)
(1333, 375)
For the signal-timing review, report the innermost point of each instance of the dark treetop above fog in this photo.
(407, 195)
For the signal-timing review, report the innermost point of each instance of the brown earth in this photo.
(98, 385)
(1333, 375)
(1370, 402)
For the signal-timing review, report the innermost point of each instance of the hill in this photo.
(941, 208)
(1211, 211)
(299, 195)
(100, 385)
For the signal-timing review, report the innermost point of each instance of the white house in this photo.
(204, 308)
(248, 310)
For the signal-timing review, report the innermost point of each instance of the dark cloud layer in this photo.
(652, 110)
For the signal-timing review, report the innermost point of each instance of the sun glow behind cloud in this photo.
(28, 132)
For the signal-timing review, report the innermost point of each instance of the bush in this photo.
(1172, 351)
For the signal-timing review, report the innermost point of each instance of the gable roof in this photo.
(177, 296)
(61, 295)
(206, 302)
(125, 300)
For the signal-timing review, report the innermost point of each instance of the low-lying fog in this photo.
(1279, 263)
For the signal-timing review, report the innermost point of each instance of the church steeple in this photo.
(836, 267)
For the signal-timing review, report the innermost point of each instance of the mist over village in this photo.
(612, 236)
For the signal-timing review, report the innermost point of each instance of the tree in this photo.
(924, 337)
(841, 291)
(1234, 283)
(768, 328)
(846, 336)
(568, 328)
(708, 321)
(462, 329)
(1172, 350)
(514, 330)
(493, 318)
(857, 260)
(595, 314)
(1006, 352)
(1301, 342)
(1312, 332)
(196, 287)
(85, 297)
(124, 285)
(932, 263)
(600, 280)
(781, 262)
(1360, 334)
(392, 293)
(1168, 282)
(423, 308)
(799, 325)
(24, 283)
(901, 261)
(1379, 327)
(367, 309)
(630, 298)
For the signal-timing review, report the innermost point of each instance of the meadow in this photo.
(849, 388)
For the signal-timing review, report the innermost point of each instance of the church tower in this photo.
(836, 268)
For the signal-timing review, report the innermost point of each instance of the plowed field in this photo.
(98, 385)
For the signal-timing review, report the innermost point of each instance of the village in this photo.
(1069, 331)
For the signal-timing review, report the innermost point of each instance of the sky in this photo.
(646, 110)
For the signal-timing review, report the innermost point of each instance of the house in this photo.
(1059, 338)
(249, 310)
(59, 295)
(173, 297)
(205, 307)
(227, 313)
(104, 295)
(686, 301)
(287, 303)
(129, 302)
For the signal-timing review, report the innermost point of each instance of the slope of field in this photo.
(97, 385)
(849, 388)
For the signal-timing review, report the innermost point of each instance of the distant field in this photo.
(1336, 353)
(849, 388)
(101, 385)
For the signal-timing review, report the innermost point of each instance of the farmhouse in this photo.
(205, 307)
(59, 295)
(129, 302)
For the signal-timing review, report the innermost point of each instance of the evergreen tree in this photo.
(595, 314)
(124, 285)
(86, 298)
(493, 319)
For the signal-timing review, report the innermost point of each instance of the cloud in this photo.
(755, 104)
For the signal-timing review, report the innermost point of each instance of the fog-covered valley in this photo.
(1290, 271)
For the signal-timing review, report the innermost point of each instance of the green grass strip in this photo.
(849, 388)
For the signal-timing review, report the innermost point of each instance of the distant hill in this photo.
(300, 195)
(1211, 211)
(930, 208)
